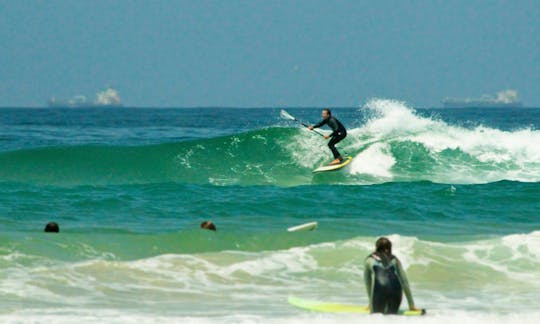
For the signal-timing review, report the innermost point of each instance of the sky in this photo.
(268, 53)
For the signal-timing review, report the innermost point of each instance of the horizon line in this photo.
(240, 107)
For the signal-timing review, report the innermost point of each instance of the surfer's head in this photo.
(52, 227)
(208, 225)
(326, 113)
(383, 246)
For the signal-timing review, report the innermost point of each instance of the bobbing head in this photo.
(208, 225)
(383, 246)
(52, 227)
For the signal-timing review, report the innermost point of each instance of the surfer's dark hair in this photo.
(208, 225)
(328, 111)
(52, 227)
(383, 246)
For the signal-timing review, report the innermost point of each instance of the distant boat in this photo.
(504, 99)
(108, 98)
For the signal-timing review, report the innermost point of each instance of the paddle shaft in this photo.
(306, 126)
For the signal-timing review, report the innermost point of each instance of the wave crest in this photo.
(395, 143)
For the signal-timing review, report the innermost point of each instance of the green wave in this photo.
(250, 158)
(271, 156)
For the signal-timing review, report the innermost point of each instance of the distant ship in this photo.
(108, 98)
(504, 99)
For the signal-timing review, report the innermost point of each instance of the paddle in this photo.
(286, 115)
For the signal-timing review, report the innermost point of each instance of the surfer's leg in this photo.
(378, 301)
(394, 301)
(332, 146)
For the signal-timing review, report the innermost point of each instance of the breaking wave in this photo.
(395, 144)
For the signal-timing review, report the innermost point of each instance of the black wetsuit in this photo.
(386, 281)
(338, 133)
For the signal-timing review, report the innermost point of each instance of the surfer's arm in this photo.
(334, 125)
(319, 124)
(368, 278)
(405, 284)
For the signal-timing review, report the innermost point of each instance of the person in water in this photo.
(52, 227)
(338, 133)
(386, 280)
(208, 225)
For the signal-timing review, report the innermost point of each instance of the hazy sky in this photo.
(268, 53)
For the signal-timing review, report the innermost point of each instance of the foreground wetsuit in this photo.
(385, 283)
(338, 133)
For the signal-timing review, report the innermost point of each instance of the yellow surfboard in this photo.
(318, 306)
(333, 167)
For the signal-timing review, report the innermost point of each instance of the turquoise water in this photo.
(455, 190)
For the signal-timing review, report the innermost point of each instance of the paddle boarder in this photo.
(338, 133)
(386, 280)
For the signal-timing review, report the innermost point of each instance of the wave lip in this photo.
(400, 145)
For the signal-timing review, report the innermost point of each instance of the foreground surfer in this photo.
(338, 133)
(386, 280)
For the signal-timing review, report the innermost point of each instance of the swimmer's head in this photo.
(383, 246)
(52, 227)
(208, 225)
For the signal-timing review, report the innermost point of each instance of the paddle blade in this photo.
(286, 115)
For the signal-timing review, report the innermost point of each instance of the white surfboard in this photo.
(333, 167)
(304, 227)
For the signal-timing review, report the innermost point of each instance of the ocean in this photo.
(456, 190)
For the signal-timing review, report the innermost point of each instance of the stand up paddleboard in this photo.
(334, 167)
(318, 306)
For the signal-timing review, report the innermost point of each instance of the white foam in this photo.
(307, 149)
(524, 245)
(375, 161)
(481, 154)
(93, 316)
(510, 155)
(452, 279)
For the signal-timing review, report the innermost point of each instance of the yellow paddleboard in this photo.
(318, 306)
(334, 167)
